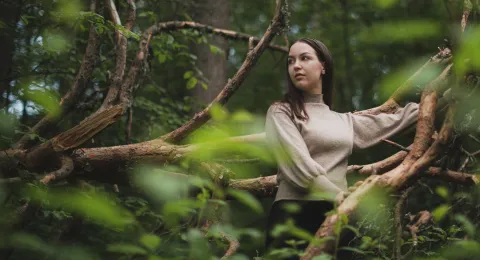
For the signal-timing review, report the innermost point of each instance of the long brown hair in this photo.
(294, 96)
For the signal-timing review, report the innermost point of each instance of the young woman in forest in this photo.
(312, 143)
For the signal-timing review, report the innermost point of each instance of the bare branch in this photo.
(398, 222)
(228, 34)
(467, 8)
(120, 53)
(65, 170)
(401, 147)
(422, 218)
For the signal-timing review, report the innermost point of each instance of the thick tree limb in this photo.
(232, 85)
(228, 34)
(71, 98)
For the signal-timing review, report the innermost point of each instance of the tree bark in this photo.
(213, 66)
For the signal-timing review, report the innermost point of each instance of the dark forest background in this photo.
(376, 45)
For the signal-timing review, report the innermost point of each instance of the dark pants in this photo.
(310, 216)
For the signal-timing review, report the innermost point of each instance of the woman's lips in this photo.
(299, 76)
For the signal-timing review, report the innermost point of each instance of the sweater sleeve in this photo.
(291, 153)
(369, 130)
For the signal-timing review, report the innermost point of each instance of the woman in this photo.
(312, 143)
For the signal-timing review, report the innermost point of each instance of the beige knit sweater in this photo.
(313, 154)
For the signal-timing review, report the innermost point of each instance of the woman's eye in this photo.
(304, 58)
(290, 61)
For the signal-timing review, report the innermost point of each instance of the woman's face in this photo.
(304, 68)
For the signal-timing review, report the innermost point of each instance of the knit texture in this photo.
(312, 155)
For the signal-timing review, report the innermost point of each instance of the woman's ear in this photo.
(323, 67)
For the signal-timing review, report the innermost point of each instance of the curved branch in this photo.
(120, 53)
(65, 170)
(228, 34)
(232, 85)
(71, 98)
(397, 252)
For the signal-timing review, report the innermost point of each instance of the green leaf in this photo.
(218, 113)
(384, 4)
(352, 249)
(353, 229)
(468, 226)
(31, 242)
(323, 257)
(192, 82)
(440, 212)
(91, 205)
(162, 184)
(150, 241)
(188, 74)
(204, 86)
(442, 191)
(46, 99)
(468, 54)
(126, 249)
(214, 49)
(162, 58)
(242, 116)
(247, 199)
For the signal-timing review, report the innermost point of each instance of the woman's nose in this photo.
(296, 66)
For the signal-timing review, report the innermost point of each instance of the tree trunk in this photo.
(213, 66)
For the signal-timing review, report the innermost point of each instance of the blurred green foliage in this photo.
(160, 214)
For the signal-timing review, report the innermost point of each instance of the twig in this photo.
(422, 218)
(397, 252)
(474, 138)
(228, 34)
(399, 146)
(128, 129)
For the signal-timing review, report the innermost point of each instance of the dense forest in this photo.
(134, 129)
